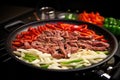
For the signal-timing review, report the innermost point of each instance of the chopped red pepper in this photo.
(91, 17)
(32, 33)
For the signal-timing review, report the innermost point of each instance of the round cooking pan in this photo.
(100, 30)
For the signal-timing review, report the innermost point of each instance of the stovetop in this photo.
(11, 69)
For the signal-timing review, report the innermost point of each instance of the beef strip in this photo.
(61, 43)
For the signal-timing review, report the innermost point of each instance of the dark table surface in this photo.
(8, 12)
(12, 8)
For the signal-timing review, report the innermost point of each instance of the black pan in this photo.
(100, 30)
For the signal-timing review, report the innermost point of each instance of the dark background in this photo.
(105, 7)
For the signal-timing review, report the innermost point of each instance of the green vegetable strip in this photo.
(105, 52)
(29, 57)
(72, 61)
(45, 66)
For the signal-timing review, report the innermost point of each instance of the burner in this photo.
(3, 54)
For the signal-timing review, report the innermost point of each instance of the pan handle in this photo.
(11, 26)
